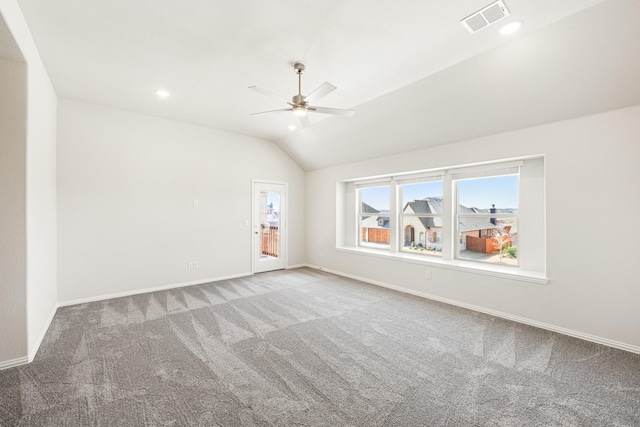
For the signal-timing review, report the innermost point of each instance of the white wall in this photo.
(31, 106)
(592, 178)
(126, 185)
(13, 228)
(42, 205)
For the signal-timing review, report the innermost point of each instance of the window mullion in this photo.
(359, 217)
(448, 212)
(393, 215)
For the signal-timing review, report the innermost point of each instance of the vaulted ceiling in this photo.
(413, 74)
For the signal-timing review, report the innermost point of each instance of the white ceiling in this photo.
(413, 74)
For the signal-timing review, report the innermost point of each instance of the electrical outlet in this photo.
(191, 266)
(195, 264)
(196, 203)
(427, 275)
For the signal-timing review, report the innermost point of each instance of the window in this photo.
(374, 224)
(421, 210)
(487, 216)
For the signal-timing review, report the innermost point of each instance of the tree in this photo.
(502, 235)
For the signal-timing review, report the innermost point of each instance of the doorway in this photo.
(409, 236)
(269, 226)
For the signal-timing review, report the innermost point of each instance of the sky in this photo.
(474, 193)
(483, 192)
(411, 192)
(275, 199)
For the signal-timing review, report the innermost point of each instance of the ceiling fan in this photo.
(299, 104)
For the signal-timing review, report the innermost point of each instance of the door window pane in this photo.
(269, 225)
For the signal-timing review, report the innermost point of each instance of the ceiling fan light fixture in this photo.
(299, 111)
(162, 93)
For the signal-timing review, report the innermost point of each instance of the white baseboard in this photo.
(152, 289)
(34, 351)
(29, 358)
(291, 267)
(518, 319)
(14, 362)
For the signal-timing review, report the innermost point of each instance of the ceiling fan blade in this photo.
(282, 110)
(334, 111)
(270, 94)
(323, 90)
(304, 121)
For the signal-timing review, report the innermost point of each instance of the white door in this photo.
(269, 226)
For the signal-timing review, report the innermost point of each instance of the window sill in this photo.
(513, 273)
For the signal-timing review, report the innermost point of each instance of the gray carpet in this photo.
(303, 347)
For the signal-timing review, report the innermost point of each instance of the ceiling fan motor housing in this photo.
(298, 99)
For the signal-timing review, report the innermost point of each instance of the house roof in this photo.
(368, 209)
(434, 205)
(473, 224)
(429, 205)
(373, 222)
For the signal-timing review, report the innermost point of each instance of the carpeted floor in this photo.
(302, 347)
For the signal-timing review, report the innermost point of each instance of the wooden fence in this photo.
(485, 245)
(270, 236)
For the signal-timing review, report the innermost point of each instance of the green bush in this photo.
(512, 251)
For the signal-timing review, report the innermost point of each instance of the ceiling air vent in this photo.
(485, 16)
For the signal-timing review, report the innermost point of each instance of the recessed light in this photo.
(162, 93)
(510, 28)
(292, 127)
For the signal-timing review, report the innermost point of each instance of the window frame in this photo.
(511, 170)
(532, 239)
(360, 214)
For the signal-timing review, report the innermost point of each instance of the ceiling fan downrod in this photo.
(299, 98)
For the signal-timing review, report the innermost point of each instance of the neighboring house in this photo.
(476, 234)
(423, 232)
(375, 228)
